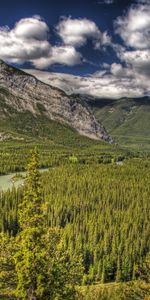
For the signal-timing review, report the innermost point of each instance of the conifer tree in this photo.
(30, 210)
(7, 264)
(118, 273)
(103, 278)
(144, 271)
(44, 269)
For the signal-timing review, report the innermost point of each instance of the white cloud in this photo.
(25, 42)
(130, 77)
(119, 71)
(31, 28)
(28, 42)
(134, 27)
(139, 60)
(65, 55)
(114, 83)
(76, 32)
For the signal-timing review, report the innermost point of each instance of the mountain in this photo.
(24, 98)
(127, 120)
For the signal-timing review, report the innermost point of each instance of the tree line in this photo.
(102, 211)
(34, 264)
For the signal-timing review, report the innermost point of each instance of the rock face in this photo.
(25, 93)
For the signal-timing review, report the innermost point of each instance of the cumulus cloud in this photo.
(134, 27)
(25, 42)
(76, 32)
(120, 72)
(31, 28)
(28, 42)
(65, 55)
(129, 78)
(139, 60)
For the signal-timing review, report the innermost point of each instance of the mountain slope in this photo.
(21, 92)
(127, 120)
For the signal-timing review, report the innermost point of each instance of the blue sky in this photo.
(106, 39)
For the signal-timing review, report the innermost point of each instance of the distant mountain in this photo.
(126, 119)
(27, 102)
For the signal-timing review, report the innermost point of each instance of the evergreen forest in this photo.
(78, 230)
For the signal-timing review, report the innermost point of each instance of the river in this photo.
(7, 182)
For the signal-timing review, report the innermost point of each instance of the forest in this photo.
(101, 210)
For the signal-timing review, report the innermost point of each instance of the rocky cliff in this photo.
(26, 93)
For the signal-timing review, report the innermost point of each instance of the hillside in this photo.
(28, 105)
(126, 119)
(94, 193)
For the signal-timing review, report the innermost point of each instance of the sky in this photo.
(107, 42)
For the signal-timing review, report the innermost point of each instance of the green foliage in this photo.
(38, 266)
(103, 210)
(94, 208)
(73, 159)
(29, 259)
(137, 290)
(14, 154)
(30, 210)
(144, 270)
(7, 263)
(127, 120)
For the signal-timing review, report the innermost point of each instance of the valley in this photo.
(75, 150)
(102, 210)
(93, 191)
(125, 119)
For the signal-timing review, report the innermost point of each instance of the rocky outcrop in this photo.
(29, 94)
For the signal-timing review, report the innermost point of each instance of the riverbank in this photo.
(14, 180)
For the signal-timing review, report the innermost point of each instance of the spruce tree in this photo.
(30, 257)
(144, 271)
(118, 272)
(7, 263)
(44, 270)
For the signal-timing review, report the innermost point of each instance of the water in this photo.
(7, 182)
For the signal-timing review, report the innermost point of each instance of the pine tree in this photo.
(103, 277)
(30, 210)
(144, 271)
(44, 270)
(29, 263)
(118, 273)
(7, 263)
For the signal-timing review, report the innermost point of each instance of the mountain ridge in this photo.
(126, 119)
(24, 92)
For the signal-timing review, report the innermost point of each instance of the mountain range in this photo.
(41, 103)
(127, 120)
(23, 97)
